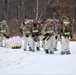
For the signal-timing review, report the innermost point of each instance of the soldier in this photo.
(43, 22)
(48, 37)
(27, 36)
(55, 23)
(4, 31)
(63, 18)
(35, 35)
(66, 31)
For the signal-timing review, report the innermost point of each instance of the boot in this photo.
(51, 52)
(24, 49)
(46, 51)
(33, 50)
(68, 52)
(30, 49)
(55, 49)
(62, 52)
(37, 48)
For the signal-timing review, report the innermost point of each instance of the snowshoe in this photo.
(51, 52)
(62, 52)
(68, 52)
(46, 51)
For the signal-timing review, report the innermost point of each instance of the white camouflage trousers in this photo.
(35, 44)
(65, 43)
(55, 42)
(2, 40)
(27, 40)
(49, 43)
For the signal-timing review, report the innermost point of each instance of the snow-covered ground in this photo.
(17, 61)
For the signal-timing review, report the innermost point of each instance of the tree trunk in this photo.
(7, 9)
(44, 10)
(37, 10)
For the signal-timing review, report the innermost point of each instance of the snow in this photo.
(14, 39)
(17, 61)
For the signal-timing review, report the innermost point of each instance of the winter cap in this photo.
(66, 22)
(4, 22)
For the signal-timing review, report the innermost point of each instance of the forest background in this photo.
(16, 11)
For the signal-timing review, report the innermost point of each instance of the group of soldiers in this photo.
(49, 31)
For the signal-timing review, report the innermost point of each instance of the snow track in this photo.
(18, 61)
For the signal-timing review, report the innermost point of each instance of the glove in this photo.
(27, 36)
(71, 36)
(33, 35)
(56, 37)
(36, 34)
(6, 35)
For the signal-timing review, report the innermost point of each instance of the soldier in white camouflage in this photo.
(26, 30)
(48, 32)
(4, 32)
(56, 25)
(36, 32)
(66, 32)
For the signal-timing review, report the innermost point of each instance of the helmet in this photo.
(4, 22)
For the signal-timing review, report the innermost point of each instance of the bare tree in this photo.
(7, 8)
(18, 10)
(3, 8)
(23, 8)
(44, 9)
(37, 10)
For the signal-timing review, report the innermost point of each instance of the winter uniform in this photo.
(66, 32)
(48, 32)
(27, 36)
(35, 35)
(56, 25)
(4, 31)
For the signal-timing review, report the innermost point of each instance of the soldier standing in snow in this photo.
(48, 32)
(66, 32)
(4, 31)
(35, 35)
(55, 23)
(27, 36)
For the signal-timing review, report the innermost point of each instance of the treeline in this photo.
(16, 11)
